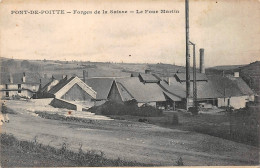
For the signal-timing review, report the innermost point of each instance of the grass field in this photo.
(16, 153)
(211, 124)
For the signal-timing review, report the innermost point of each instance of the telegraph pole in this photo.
(195, 105)
(187, 53)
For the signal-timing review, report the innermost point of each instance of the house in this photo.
(235, 92)
(20, 84)
(138, 89)
(215, 90)
(70, 93)
(43, 91)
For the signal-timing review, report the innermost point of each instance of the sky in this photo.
(229, 31)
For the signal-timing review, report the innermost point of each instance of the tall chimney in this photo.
(187, 53)
(202, 64)
(85, 75)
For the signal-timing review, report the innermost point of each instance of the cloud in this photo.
(222, 29)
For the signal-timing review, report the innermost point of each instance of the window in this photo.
(19, 88)
(7, 94)
(6, 86)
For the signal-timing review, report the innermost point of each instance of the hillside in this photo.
(94, 69)
(250, 73)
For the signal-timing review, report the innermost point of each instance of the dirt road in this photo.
(131, 141)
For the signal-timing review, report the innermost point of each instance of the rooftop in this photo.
(199, 77)
(101, 86)
(142, 92)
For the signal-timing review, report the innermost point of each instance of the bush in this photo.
(128, 108)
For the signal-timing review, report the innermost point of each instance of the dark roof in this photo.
(199, 77)
(204, 89)
(172, 96)
(101, 86)
(4, 78)
(148, 78)
(60, 85)
(232, 86)
(216, 87)
(174, 87)
(46, 85)
(45, 81)
(31, 78)
(142, 92)
(244, 88)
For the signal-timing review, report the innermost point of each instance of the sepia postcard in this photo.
(129, 83)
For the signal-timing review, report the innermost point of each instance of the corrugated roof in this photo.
(101, 85)
(199, 77)
(148, 92)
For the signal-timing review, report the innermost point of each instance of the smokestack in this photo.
(85, 75)
(202, 64)
(187, 53)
